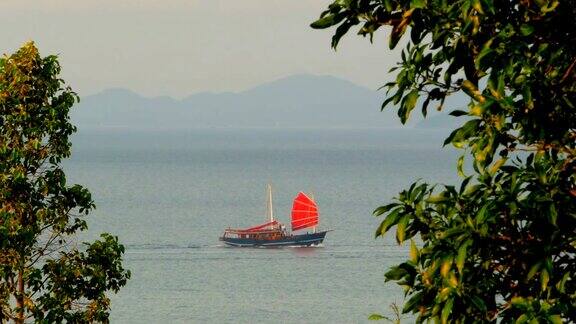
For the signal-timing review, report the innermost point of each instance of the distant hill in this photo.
(299, 101)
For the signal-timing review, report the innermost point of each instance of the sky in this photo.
(180, 47)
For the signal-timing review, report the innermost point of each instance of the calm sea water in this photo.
(169, 195)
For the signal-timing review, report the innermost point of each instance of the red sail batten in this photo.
(304, 212)
(258, 228)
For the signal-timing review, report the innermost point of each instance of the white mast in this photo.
(270, 209)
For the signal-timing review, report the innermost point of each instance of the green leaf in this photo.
(395, 273)
(341, 31)
(526, 30)
(472, 90)
(388, 5)
(544, 278)
(447, 310)
(425, 106)
(462, 134)
(413, 302)
(388, 222)
(328, 20)
(414, 253)
(461, 256)
(386, 102)
(483, 213)
(384, 209)
(376, 317)
(483, 57)
(458, 113)
(418, 4)
(401, 229)
(519, 302)
(477, 5)
(460, 166)
(496, 166)
(437, 199)
(561, 284)
(522, 319)
(478, 303)
(534, 270)
(408, 104)
(552, 214)
(555, 319)
(464, 185)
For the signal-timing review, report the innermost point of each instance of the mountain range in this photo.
(298, 101)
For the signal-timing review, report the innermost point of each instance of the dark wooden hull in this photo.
(309, 239)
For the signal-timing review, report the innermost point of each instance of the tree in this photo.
(501, 246)
(43, 275)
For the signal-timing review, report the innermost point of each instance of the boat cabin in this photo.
(275, 234)
(269, 231)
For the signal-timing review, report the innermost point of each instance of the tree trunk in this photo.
(20, 298)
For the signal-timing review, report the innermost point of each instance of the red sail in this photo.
(304, 212)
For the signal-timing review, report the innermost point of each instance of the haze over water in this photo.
(169, 195)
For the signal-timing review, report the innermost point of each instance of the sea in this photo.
(169, 194)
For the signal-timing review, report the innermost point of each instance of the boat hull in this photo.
(308, 239)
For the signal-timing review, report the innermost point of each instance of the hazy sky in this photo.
(179, 47)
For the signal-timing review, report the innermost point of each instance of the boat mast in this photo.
(270, 209)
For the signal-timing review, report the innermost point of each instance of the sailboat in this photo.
(274, 234)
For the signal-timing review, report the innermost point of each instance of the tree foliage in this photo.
(44, 276)
(501, 246)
